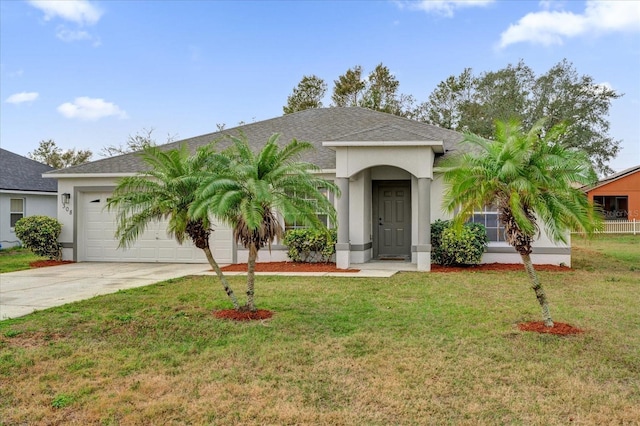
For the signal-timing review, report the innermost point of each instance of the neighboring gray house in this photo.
(23, 192)
(382, 163)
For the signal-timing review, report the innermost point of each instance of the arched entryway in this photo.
(398, 175)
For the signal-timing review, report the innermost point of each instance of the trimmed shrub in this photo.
(437, 227)
(458, 247)
(311, 245)
(40, 235)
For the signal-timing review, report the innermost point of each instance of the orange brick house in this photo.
(618, 195)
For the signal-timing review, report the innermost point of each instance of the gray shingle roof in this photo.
(312, 125)
(387, 132)
(18, 173)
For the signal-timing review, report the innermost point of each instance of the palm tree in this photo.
(166, 190)
(254, 191)
(530, 177)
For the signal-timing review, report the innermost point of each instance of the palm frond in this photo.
(252, 186)
(524, 173)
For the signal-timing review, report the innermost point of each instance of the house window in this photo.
(614, 207)
(16, 210)
(489, 217)
(323, 217)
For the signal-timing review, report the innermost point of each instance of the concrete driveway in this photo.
(23, 292)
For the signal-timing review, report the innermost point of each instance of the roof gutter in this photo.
(437, 146)
(85, 175)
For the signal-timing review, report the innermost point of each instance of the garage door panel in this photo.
(94, 252)
(187, 254)
(147, 253)
(219, 254)
(98, 242)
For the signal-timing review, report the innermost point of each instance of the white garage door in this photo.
(97, 242)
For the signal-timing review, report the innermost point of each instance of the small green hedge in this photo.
(437, 228)
(457, 247)
(40, 235)
(310, 245)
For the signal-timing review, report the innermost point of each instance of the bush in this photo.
(40, 235)
(310, 245)
(437, 227)
(458, 247)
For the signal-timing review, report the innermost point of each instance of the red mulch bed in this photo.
(559, 328)
(232, 314)
(331, 267)
(287, 267)
(43, 263)
(502, 267)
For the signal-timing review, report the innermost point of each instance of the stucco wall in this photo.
(67, 215)
(437, 190)
(545, 251)
(34, 204)
(417, 160)
(360, 221)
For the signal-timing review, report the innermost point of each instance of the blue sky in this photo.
(90, 73)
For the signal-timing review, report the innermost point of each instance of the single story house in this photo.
(23, 192)
(618, 195)
(382, 163)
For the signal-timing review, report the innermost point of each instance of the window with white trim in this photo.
(489, 217)
(16, 210)
(323, 217)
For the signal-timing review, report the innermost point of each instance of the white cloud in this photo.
(85, 108)
(551, 4)
(552, 27)
(67, 35)
(79, 11)
(444, 7)
(21, 97)
(614, 16)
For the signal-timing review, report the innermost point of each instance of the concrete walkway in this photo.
(24, 292)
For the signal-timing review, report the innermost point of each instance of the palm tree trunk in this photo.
(537, 287)
(251, 276)
(223, 279)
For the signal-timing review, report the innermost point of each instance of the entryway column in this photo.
(424, 225)
(343, 248)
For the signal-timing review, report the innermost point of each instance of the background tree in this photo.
(500, 95)
(135, 143)
(166, 190)
(562, 95)
(381, 91)
(471, 103)
(529, 177)
(49, 153)
(446, 103)
(348, 88)
(251, 191)
(308, 94)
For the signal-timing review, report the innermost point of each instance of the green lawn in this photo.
(414, 349)
(623, 250)
(16, 259)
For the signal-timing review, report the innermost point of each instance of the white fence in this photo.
(621, 227)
